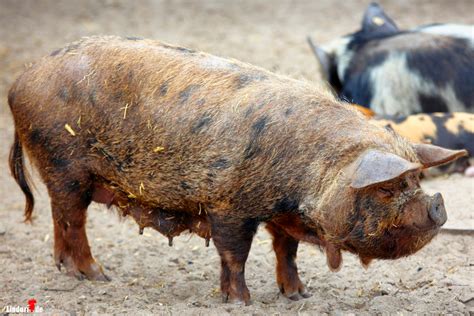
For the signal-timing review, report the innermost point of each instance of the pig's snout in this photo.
(436, 211)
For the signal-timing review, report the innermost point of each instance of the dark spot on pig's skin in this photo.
(288, 112)
(246, 79)
(64, 94)
(221, 163)
(55, 52)
(253, 148)
(259, 126)
(59, 162)
(286, 204)
(185, 185)
(186, 93)
(40, 138)
(164, 88)
(204, 121)
(134, 38)
(35, 137)
(431, 103)
(201, 102)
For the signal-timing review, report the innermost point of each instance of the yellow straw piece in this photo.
(69, 129)
(158, 149)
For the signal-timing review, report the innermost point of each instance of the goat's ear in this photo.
(377, 22)
(430, 155)
(375, 166)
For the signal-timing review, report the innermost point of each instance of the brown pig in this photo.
(185, 141)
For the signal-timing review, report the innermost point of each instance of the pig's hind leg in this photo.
(70, 196)
(233, 240)
(285, 248)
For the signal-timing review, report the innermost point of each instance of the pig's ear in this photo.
(325, 61)
(375, 166)
(376, 22)
(431, 155)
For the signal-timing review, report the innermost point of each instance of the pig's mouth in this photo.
(422, 229)
(392, 243)
(434, 217)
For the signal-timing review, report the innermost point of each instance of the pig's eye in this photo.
(385, 192)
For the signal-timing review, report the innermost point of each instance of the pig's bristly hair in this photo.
(164, 132)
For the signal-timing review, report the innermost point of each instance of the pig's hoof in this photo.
(295, 295)
(92, 271)
(234, 300)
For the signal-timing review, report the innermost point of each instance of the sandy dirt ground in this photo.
(148, 277)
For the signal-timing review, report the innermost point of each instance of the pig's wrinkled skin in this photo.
(182, 140)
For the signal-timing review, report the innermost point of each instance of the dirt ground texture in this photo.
(149, 277)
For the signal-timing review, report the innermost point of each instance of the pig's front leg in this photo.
(285, 248)
(233, 239)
